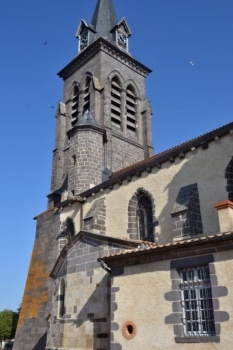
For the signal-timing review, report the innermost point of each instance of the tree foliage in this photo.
(8, 323)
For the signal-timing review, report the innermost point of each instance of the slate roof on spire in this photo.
(104, 20)
(87, 119)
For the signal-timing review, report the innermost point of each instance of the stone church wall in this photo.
(143, 298)
(204, 167)
(86, 320)
(36, 305)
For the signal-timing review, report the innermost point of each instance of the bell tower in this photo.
(105, 82)
(103, 124)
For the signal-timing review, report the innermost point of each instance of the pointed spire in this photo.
(104, 19)
(104, 24)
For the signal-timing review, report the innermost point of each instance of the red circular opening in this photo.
(129, 330)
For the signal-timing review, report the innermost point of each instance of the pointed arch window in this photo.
(229, 178)
(61, 299)
(115, 103)
(75, 101)
(145, 218)
(130, 108)
(86, 98)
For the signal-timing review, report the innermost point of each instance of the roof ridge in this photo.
(173, 149)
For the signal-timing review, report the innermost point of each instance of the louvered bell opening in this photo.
(116, 117)
(86, 100)
(116, 104)
(75, 104)
(131, 110)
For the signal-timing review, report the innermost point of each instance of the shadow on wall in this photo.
(195, 170)
(96, 311)
(41, 343)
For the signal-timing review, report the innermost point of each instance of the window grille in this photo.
(197, 305)
(116, 103)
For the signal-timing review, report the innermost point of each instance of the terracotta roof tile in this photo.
(154, 247)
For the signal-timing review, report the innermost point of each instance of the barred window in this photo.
(196, 301)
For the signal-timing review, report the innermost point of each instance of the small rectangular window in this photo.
(196, 301)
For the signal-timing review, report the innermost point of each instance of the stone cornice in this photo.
(224, 205)
(108, 48)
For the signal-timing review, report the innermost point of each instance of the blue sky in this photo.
(187, 99)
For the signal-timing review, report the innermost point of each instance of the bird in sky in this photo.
(191, 63)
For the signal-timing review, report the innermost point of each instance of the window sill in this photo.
(204, 339)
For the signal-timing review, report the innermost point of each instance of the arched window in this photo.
(229, 177)
(61, 299)
(75, 101)
(86, 98)
(115, 103)
(145, 218)
(141, 216)
(130, 108)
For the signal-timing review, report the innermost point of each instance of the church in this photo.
(135, 249)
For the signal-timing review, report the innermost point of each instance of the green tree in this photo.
(8, 324)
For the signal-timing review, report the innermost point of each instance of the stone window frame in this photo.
(129, 330)
(197, 301)
(176, 266)
(133, 229)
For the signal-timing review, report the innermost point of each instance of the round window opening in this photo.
(129, 330)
